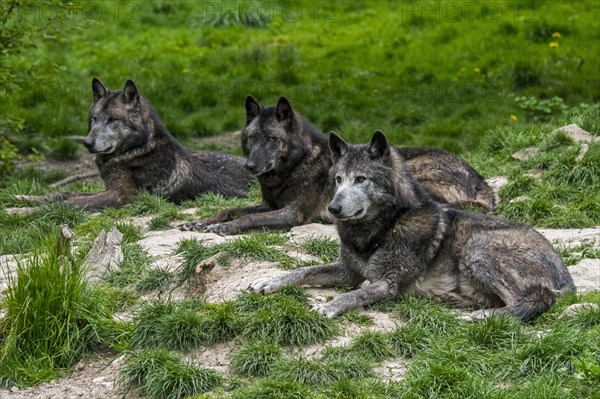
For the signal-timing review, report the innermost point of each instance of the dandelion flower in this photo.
(556, 35)
(554, 44)
(513, 117)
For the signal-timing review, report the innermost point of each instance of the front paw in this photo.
(328, 309)
(265, 286)
(191, 226)
(221, 229)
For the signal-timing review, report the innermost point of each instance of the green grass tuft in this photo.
(325, 248)
(154, 280)
(373, 345)
(161, 374)
(283, 320)
(255, 358)
(319, 372)
(51, 318)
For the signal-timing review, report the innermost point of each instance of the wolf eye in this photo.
(94, 119)
(338, 179)
(360, 179)
(111, 120)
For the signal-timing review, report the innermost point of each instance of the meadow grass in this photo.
(366, 53)
(255, 358)
(161, 374)
(52, 317)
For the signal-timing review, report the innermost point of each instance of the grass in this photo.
(255, 358)
(571, 255)
(154, 280)
(52, 318)
(325, 248)
(161, 374)
(366, 52)
(259, 246)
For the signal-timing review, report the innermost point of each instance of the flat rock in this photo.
(496, 183)
(576, 308)
(303, 232)
(582, 151)
(526, 153)
(577, 133)
(572, 237)
(586, 275)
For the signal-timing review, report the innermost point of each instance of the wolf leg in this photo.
(332, 274)
(224, 216)
(374, 292)
(283, 219)
(97, 201)
(52, 197)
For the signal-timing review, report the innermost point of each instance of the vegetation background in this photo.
(480, 78)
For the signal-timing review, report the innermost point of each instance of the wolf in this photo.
(396, 237)
(291, 160)
(134, 151)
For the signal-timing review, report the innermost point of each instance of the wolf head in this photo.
(273, 137)
(368, 179)
(119, 120)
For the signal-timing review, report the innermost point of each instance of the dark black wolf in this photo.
(134, 151)
(395, 236)
(291, 160)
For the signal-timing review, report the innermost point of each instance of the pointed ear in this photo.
(379, 147)
(284, 109)
(130, 93)
(337, 146)
(252, 109)
(98, 89)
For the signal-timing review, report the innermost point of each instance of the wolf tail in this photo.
(535, 300)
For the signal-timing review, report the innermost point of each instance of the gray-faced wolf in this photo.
(291, 161)
(395, 236)
(135, 151)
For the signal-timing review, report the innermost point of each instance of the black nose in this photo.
(251, 166)
(88, 143)
(335, 209)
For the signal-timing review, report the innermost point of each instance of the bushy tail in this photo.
(535, 300)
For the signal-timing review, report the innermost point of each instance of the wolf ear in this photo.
(284, 109)
(252, 109)
(379, 147)
(130, 93)
(337, 146)
(98, 89)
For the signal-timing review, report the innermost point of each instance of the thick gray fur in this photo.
(397, 238)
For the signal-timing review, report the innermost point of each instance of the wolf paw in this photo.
(191, 226)
(264, 286)
(328, 309)
(221, 229)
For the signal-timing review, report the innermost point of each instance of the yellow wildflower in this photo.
(554, 44)
(185, 70)
(476, 70)
(513, 117)
(556, 34)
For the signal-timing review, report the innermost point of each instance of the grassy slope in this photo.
(353, 67)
